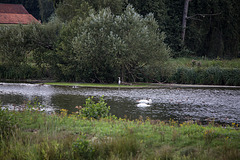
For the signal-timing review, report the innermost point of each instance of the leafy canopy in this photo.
(105, 46)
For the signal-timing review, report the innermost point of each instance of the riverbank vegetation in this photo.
(205, 71)
(91, 133)
(139, 41)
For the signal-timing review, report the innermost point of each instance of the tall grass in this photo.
(209, 76)
(205, 62)
(20, 72)
(205, 71)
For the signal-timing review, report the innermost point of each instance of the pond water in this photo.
(222, 105)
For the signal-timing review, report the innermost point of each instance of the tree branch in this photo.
(203, 15)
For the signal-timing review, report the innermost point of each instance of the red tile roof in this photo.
(15, 14)
(13, 8)
(17, 19)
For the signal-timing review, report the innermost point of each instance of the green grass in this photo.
(37, 135)
(130, 85)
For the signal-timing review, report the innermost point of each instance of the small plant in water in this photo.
(35, 105)
(95, 110)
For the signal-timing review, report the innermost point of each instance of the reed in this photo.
(207, 76)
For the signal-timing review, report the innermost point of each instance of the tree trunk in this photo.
(184, 21)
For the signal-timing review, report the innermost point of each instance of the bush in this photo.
(95, 110)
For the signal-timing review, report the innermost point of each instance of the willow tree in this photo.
(107, 46)
(66, 10)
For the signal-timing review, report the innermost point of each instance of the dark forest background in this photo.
(212, 26)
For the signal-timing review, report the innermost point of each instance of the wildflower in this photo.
(78, 107)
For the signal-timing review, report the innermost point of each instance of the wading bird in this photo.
(119, 81)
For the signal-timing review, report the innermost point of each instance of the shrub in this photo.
(95, 110)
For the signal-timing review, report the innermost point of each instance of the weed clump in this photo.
(95, 110)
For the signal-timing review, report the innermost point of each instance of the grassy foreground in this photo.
(32, 134)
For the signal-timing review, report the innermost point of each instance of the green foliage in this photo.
(13, 45)
(22, 48)
(7, 123)
(82, 149)
(19, 72)
(46, 9)
(105, 46)
(168, 15)
(68, 10)
(116, 6)
(95, 110)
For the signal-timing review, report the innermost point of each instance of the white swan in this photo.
(143, 105)
(149, 101)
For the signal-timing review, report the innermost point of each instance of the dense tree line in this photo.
(97, 41)
(212, 26)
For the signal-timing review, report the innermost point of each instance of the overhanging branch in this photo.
(203, 15)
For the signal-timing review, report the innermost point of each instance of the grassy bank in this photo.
(95, 85)
(31, 134)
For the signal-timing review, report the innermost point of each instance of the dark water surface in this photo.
(222, 105)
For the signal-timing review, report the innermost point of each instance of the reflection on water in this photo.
(180, 104)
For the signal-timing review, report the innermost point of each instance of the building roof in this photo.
(15, 14)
